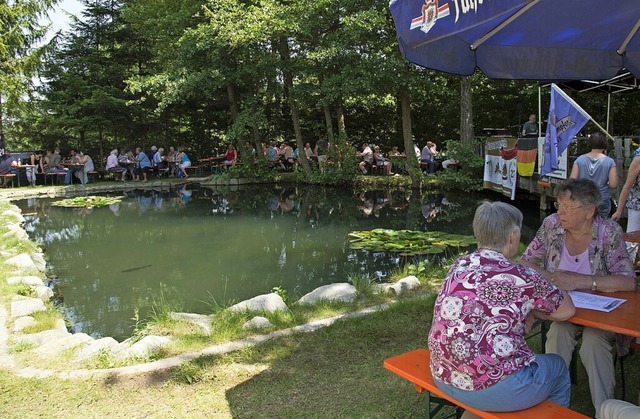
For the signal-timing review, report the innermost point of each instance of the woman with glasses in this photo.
(577, 248)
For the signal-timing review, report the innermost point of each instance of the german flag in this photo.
(527, 156)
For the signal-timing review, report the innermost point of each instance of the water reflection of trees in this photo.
(231, 244)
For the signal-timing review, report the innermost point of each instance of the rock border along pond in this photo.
(30, 269)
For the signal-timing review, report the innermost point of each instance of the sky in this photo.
(59, 19)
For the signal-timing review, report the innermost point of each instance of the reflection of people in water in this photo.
(115, 208)
(432, 207)
(287, 199)
(186, 194)
(373, 202)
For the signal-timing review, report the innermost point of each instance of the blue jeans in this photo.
(546, 378)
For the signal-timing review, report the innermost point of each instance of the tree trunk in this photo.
(466, 109)
(342, 131)
(233, 102)
(328, 123)
(411, 161)
(283, 48)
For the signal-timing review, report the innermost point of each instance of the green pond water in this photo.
(197, 247)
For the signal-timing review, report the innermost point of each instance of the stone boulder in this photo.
(22, 323)
(34, 281)
(332, 292)
(43, 293)
(257, 322)
(201, 320)
(26, 307)
(22, 261)
(266, 302)
(40, 262)
(14, 230)
(93, 347)
(55, 347)
(405, 284)
(42, 337)
(145, 347)
(15, 214)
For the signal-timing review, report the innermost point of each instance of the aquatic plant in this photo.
(88, 201)
(408, 242)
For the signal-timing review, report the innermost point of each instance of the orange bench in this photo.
(414, 366)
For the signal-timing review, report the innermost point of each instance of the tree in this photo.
(20, 31)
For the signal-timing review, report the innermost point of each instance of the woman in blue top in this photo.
(184, 161)
(600, 168)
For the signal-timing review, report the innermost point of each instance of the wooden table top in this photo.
(623, 320)
(633, 237)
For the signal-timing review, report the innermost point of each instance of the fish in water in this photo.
(135, 269)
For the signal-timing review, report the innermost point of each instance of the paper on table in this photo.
(595, 302)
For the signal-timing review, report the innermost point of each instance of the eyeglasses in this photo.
(565, 209)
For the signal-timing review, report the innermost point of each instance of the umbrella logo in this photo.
(431, 12)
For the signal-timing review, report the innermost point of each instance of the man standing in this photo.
(530, 128)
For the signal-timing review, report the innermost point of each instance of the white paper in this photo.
(595, 302)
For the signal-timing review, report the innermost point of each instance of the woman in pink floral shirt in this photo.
(486, 304)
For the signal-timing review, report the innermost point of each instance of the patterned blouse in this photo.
(479, 319)
(607, 251)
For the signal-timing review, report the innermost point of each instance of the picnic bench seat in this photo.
(56, 177)
(7, 176)
(198, 170)
(414, 367)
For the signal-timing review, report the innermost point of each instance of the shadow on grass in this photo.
(337, 371)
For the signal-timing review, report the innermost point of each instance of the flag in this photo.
(527, 155)
(566, 118)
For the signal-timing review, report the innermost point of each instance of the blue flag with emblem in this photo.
(566, 118)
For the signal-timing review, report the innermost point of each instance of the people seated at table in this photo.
(113, 166)
(367, 159)
(272, 153)
(87, 167)
(183, 162)
(428, 158)
(7, 167)
(486, 305)
(143, 166)
(127, 160)
(577, 248)
(73, 166)
(159, 161)
(231, 156)
(172, 160)
(286, 157)
(55, 162)
(382, 162)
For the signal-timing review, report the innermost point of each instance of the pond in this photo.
(198, 248)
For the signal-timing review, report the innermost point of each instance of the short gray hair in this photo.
(494, 222)
(583, 191)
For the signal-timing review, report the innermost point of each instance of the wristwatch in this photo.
(594, 286)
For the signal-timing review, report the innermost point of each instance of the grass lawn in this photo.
(334, 372)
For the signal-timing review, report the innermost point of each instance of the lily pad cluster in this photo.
(408, 242)
(88, 201)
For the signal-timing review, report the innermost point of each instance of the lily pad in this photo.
(87, 201)
(408, 242)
